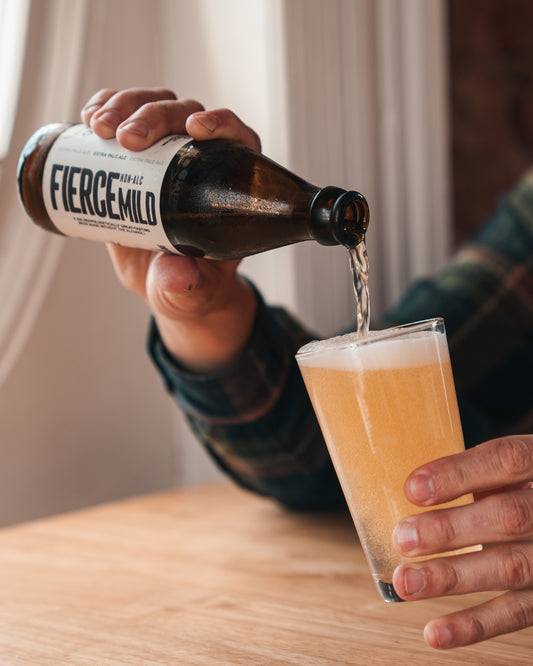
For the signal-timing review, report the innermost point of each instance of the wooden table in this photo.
(210, 575)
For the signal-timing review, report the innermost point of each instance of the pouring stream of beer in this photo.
(359, 267)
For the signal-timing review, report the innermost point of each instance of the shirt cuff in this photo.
(244, 390)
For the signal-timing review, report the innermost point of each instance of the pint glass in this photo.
(386, 405)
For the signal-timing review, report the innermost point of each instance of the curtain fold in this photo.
(48, 91)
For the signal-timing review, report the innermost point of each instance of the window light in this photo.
(13, 24)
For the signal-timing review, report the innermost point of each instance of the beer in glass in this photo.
(386, 404)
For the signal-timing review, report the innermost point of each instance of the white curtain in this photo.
(368, 110)
(48, 92)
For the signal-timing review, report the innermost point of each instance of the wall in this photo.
(83, 415)
(491, 54)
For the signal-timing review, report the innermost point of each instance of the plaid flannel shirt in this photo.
(255, 418)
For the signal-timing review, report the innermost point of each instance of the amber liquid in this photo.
(359, 267)
(385, 406)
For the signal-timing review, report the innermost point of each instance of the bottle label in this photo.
(97, 190)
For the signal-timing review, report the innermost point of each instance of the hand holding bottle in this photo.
(203, 308)
(220, 199)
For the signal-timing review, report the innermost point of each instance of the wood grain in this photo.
(209, 575)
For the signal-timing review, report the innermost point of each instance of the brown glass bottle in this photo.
(215, 199)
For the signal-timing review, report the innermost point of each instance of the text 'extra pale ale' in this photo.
(213, 199)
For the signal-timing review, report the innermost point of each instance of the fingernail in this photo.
(440, 637)
(421, 487)
(406, 536)
(207, 120)
(414, 581)
(111, 118)
(137, 127)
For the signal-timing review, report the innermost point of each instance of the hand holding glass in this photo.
(386, 404)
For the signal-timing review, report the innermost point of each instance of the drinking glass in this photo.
(386, 404)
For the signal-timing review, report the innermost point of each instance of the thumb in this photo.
(185, 288)
(170, 284)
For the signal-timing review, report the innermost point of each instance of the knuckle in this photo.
(226, 115)
(445, 579)
(475, 629)
(522, 614)
(516, 569)
(515, 514)
(99, 98)
(159, 112)
(443, 530)
(238, 129)
(255, 139)
(458, 476)
(165, 93)
(123, 97)
(230, 119)
(139, 96)
(105, 92)
(153, 109)
(515, 456)
(192, 105)
(127, 277)
(447, 473)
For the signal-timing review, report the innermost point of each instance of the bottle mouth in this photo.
(349, 217)
(339, 217)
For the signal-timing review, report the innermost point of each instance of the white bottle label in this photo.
(97, 190)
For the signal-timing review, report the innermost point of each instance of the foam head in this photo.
(404, 346)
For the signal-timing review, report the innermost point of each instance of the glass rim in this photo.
(353, 340)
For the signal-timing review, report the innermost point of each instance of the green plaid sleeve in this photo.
(485, 295)
(255, 418)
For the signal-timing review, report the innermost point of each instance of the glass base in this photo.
(388, 592)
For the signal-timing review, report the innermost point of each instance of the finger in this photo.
(500, 462)
(497, 518)
(131, 266)
(180, 287)
(154, 120)
(479, 495)
(222, 124)
(502, 567)
(116, 108)
(171, 277)
(95, 103)
(509, 612)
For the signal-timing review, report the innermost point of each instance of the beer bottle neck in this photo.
(339, 217)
